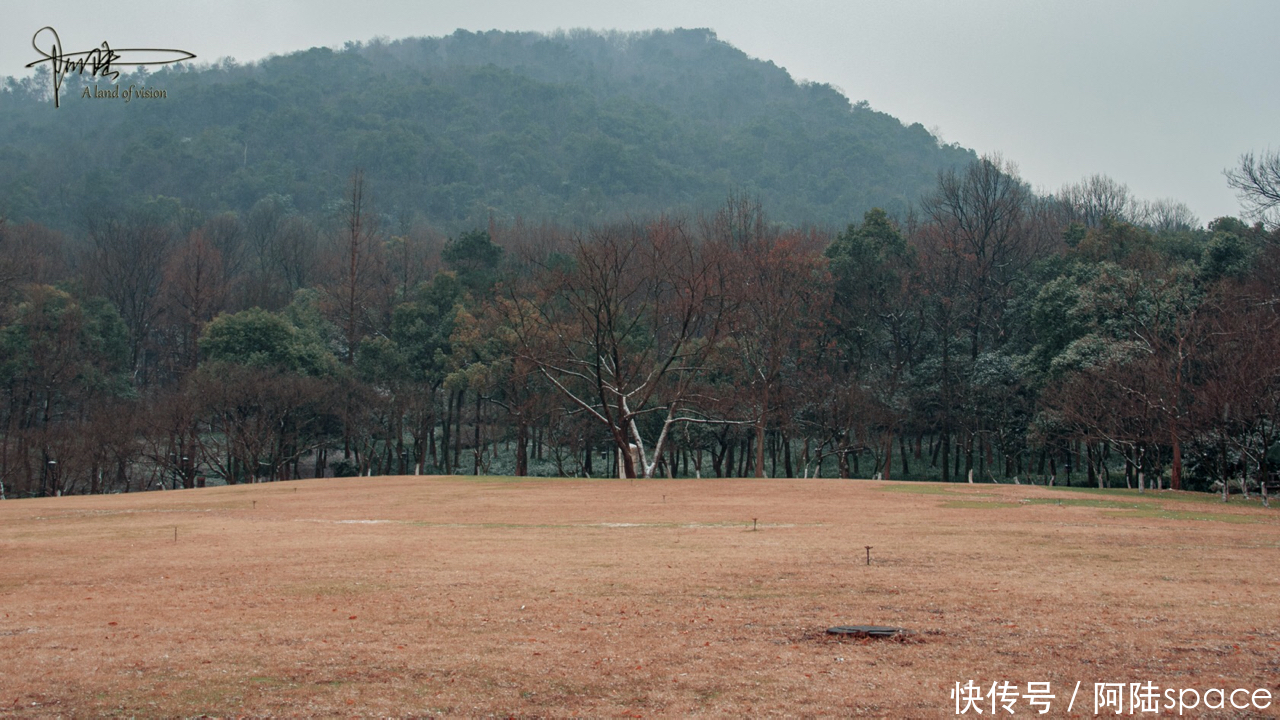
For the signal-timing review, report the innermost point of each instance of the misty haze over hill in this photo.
(578, 127)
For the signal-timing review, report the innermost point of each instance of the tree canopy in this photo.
(578, 127)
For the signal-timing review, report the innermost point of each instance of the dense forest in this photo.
(579, 127)
(182, 318)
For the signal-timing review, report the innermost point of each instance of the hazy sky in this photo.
(1160, 95)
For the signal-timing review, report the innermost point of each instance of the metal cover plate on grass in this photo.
(876, 631)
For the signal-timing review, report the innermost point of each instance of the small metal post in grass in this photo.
(868, 547)
(753, 524)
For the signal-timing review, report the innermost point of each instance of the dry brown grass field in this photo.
(409, 596)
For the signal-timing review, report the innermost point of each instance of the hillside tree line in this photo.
(988, 333)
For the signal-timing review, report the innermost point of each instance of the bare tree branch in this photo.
(1257, 184)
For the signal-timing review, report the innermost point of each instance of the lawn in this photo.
(410, 596)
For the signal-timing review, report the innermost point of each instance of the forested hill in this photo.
(576, 127)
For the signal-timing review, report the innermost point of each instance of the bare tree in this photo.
(1238, 396)
(127, 267)
(1096, 197)
(226, 234)
(1166, 215)
(195, 289)
(782, 294)
(257, 423)
(296, 252)
(1257, 183)
(263, 225)
(29, 254)
(356, 267)
(983, 214)
(172, 423)
(623, 330)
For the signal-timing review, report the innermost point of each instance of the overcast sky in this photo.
(1160, 95)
